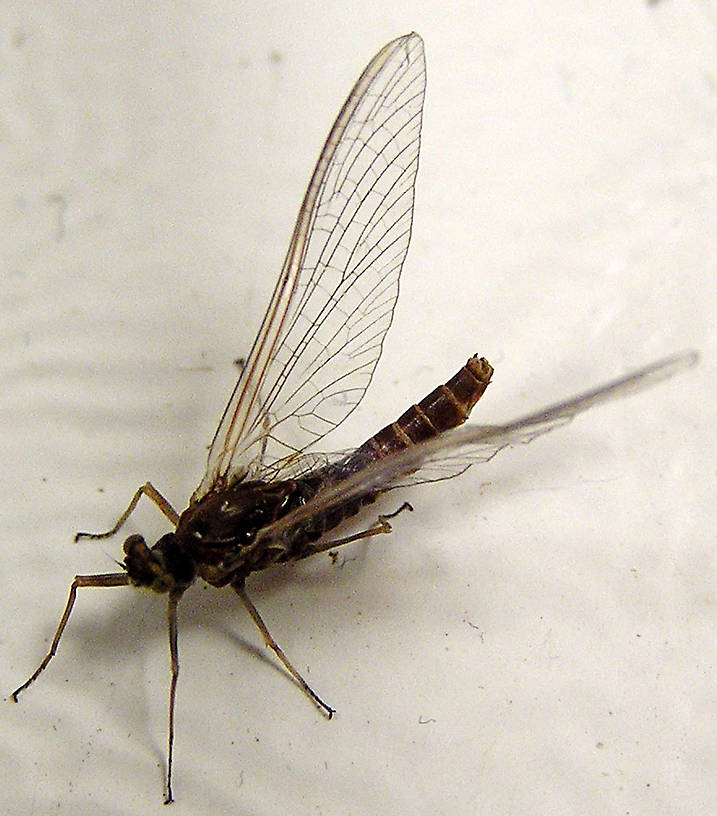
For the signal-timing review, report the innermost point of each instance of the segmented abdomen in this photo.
(444, 408)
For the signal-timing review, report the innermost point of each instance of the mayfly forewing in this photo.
(453, 452)
(322, 334)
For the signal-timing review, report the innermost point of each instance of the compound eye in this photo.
(135, 547)
(140, 563)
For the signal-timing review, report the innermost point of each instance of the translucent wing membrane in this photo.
(322, 335)
(453, 452)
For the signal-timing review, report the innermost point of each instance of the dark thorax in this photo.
(218, 531)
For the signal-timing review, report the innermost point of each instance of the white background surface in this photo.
(538, 637)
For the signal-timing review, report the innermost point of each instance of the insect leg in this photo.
(380, 527)
(110, 579)
(274, 646)
(174, 657)
(151, 492)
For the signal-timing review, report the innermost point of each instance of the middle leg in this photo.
(238, 587)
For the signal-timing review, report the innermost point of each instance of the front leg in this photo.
(151, 492)
(111, 579)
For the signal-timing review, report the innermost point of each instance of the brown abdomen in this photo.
(444, 408)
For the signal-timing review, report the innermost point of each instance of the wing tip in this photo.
(673, 364)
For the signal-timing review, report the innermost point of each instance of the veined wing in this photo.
(451, 453)
(322, 334)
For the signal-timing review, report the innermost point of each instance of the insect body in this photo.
(267, 498)
(217, 534)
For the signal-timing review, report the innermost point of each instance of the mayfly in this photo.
(267, 496)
